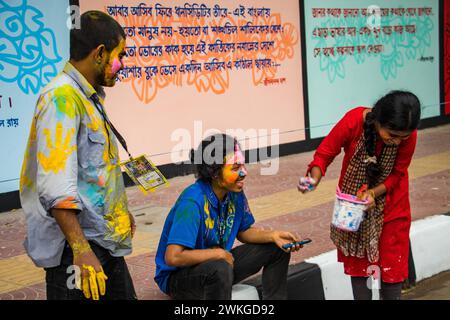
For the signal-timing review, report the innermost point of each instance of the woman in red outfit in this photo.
(378, 144)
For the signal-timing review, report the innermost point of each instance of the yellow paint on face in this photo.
(229, 175)
(208, 221)
(59, 151)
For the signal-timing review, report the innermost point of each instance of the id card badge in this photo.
(144, 174)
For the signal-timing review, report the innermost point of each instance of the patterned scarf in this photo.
(364, 242)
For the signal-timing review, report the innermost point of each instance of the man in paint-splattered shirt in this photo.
(72, 189)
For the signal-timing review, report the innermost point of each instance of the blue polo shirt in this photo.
(193, 222)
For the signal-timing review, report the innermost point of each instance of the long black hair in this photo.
(397, 111)
(210, 155)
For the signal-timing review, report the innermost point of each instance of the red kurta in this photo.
(394, 241)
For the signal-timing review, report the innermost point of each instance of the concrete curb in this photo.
(323, 278)
(430, 241)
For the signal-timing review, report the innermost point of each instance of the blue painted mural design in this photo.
(398, 48)
(28, 52)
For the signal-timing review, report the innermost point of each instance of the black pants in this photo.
(389, 291)
(213, 279)
(119, 285)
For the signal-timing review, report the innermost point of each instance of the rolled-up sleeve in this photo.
(57, 123)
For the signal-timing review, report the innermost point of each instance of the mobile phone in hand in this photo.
(292, 244)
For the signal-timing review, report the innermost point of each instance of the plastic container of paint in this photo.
(348, 212)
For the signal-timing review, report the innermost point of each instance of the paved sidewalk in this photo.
(274, 201)
(434, 288)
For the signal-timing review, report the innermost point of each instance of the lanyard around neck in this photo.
(106, 120)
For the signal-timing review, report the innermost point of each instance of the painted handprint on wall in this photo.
(28, 52)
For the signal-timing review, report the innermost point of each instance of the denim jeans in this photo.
(119, 285)
(213, 279)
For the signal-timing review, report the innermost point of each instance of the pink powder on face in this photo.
(238, 156)
(116, 65)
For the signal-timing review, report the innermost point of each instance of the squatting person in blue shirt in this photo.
(195, 259)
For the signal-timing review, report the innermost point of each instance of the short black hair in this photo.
(210, 155)
(96, 28)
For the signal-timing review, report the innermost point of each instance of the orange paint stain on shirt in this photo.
(101, 181)
(67, 203)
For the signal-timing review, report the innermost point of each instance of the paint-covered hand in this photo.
(94, 283)
(306, 184)
(310, 182)
(93, 279)
(281, 238)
